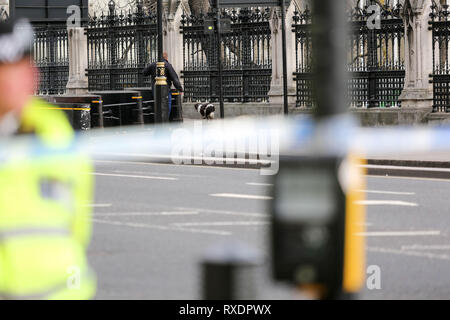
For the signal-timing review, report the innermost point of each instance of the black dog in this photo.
(206, 110)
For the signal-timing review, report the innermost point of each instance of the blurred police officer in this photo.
(45, 224)
(171, 75)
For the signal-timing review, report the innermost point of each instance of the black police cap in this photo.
(16, 40)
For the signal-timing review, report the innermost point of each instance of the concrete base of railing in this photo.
(369, 117)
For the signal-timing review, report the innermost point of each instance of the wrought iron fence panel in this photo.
(375, 57)
(303, 58)
(246, 57)
(50, 53)
(119, 47)
(440, 24)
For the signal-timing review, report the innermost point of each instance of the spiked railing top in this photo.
(242, 15)
(439, 12)
(137, 17)
(360, 12)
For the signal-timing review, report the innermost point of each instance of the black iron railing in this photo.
(52, 58)
(375, 58)
(440, 24)
(119, 47)
(303, 58)
(246, 52)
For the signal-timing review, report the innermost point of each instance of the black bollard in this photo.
(229, 272)
(140, 111)
(100, 112)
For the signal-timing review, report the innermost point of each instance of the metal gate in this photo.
(119, 47)
(246, 52)
(375, 57)
(52, 58)
(440, 23)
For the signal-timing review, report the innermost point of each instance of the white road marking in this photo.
(389, 192)
(133, 176)
(223, 223)
(99, 205)
(162, 213)
(226, 212)
(426, 247)
(400, 233)
(240, 196)
(386, 203)
(409, 178)
(159, 227)
(259, 184)
(410, 253)
(373, 166)
(160, 173)
(365, 224)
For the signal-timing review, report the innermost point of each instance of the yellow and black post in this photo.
(161, 94)
(354, 265)
(317, 215)
(318, 225)
(161, 91)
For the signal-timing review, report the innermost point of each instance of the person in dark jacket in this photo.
(171, 75)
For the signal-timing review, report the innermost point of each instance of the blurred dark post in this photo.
(283, 40)
(229, 273)
(161, 90)
(330, 54)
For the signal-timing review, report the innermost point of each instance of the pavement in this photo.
(434, 159)
(425, 165)
(153, 224)
(422, 165)
(401, 165)
(417, 162)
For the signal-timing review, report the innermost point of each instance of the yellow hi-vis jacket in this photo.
(45, 225)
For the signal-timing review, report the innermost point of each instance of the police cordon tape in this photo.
(251, 140)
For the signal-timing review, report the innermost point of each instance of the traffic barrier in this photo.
(117, 108)
(77, 109)
(148, 103)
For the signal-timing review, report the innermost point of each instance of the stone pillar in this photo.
(4, 9)
(78, 63)
(173, 39)
(417, 95)
(276, 86)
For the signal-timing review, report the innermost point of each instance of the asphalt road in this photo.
(154, 222)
